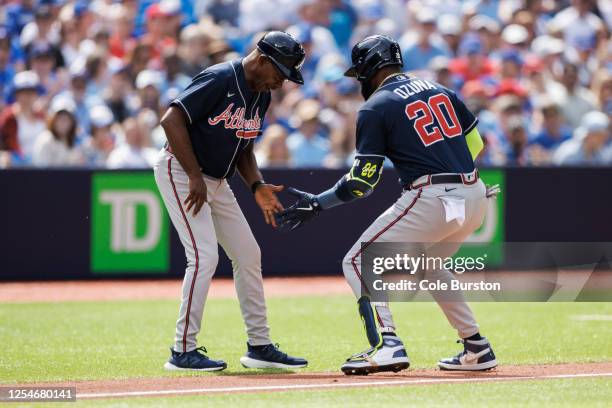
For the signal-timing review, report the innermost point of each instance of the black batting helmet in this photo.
(371, 54)
(285, 53)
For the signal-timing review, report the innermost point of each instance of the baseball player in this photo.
(210, 129)
(431, 139)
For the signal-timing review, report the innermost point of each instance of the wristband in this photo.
(256, 184)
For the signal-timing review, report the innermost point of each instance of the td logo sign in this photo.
(129, 224)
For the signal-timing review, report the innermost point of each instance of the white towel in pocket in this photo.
(454, 207)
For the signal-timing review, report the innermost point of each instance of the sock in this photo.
(258, 347)
(476, 336)
(389, 334)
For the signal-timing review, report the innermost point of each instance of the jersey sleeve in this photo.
(466, 118)
(370, 134)
(200, 96)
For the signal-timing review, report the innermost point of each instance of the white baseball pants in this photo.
(220, 221)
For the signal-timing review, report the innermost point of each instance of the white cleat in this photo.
(389, 356)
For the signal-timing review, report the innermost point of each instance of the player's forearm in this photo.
(248, 169)
(173, 123)
(335, 196)
(357, 183)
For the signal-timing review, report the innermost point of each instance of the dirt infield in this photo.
(274, 287)
(159, 289)
(215, 383)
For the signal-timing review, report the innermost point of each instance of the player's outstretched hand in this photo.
(304, 209)
(197, 194)
(493, 191)
(265, 196)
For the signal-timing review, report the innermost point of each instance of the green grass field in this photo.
(110, 340)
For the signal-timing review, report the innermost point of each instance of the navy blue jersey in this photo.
(223, 116)
(419, 125)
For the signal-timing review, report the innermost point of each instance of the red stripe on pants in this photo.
(195, 249)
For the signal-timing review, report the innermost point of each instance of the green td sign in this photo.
(129, 224)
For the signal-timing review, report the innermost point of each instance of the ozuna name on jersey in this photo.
(245, 128)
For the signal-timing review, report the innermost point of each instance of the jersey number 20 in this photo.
(423, 115)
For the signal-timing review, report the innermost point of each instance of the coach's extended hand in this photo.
(265, 196)
(304, 209)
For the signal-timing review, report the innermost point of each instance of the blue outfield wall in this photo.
(84, 224)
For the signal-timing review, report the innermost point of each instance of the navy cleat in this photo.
(477, 355)
(269, 356)
(388, 356)
(193, 360)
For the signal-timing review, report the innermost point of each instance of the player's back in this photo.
(422, 124)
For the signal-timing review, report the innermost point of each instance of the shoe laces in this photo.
(363, 354)
(275, 349)
(202, 351)
(461, 353)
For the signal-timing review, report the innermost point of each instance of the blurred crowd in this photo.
(84, 83)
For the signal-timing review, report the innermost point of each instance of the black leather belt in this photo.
(444, 179)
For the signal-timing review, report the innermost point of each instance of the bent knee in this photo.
(203, 260)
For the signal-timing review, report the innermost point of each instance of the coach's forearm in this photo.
(247, 167)
(174, 125)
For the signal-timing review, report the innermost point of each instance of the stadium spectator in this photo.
(193, 50)
(314, 14)
(77, 92)
(148, 85)
(514, 37)
(516, 137)
(139, 58)
(7, 71)
(578, 23)
(472, 63)
(602, 89)
(589, 143)
(308, 144)
(551, 128)
(342, 20)
(487, 30)
(96, 70)
(55, 147)
(160, 29)
(42, 60)
(576, 100)
(135, 152)
(18, 15)
(44, 29)
(418, 52)
(272, 151)
(503, 57)
(122, 26)
(21, 122)
(173, 81)
(70, 35)
(118, 92)
(98, 146)
(449, 27)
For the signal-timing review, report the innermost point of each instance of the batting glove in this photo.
(304, 209)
